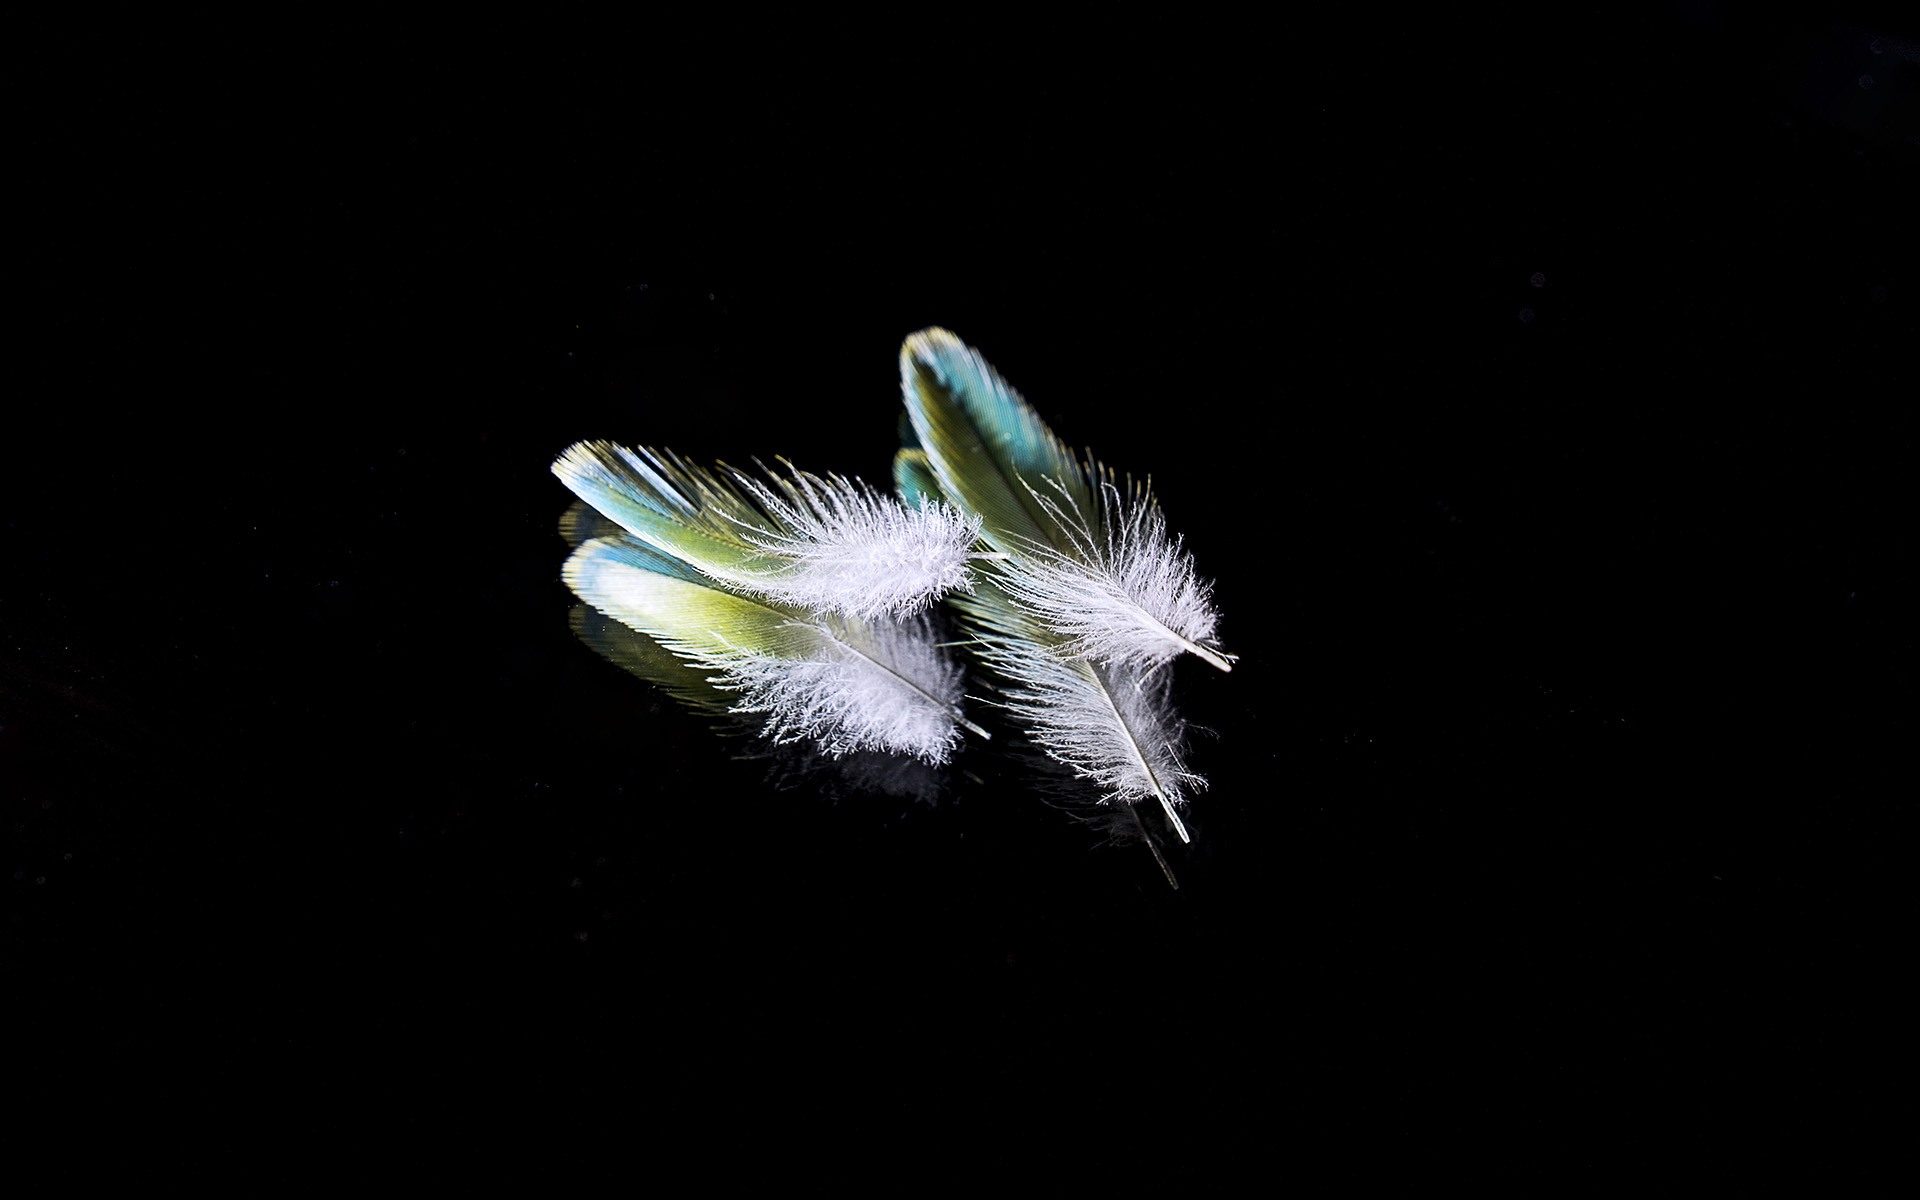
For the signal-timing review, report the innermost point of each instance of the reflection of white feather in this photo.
(1113, 724)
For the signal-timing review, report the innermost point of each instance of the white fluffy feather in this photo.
(846, 548)
(1128, 595)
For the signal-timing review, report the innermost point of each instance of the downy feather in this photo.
(848, 685)
(1128, 594)
(828, 544)
(858, 551)
(1066, 616)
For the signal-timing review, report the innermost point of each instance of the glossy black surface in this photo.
(1539, 397)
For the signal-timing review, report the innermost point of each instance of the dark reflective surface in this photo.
(1557, 815)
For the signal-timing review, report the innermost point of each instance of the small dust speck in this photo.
(1526, 316)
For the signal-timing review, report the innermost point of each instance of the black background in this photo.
(1558, 825)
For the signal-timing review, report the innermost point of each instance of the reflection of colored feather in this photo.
(828, 544)
(790, 765)
(582, 523)
(638, 654)
(1088, 593)
(848, 684)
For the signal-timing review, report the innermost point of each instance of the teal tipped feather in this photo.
(1087, 557)
(987, 448)
(1088, 594)
(824, 543)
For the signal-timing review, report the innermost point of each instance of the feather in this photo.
(827, 544)
(913, 476)
(849, 685)
(857, 551)
(1127, 594)
(1099, 565)
(1088, 593)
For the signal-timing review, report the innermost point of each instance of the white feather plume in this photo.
(1128, 595)
(846, 548)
